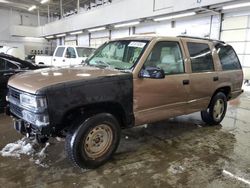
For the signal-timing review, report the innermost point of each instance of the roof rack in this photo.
(212, 40)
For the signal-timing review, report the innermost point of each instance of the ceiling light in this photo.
(33, 7)
(175, 16)
(97, 29)
(4, 1)
(44, 1)
(61, 35)
(236, 6)
(49, 37)
(76, 32)
(127, 24)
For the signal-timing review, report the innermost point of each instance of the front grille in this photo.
(16, 110)
(15, 94)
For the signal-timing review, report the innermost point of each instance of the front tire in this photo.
(216, 111)
(91, 142)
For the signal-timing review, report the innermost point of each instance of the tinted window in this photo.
(201, 57)
(59, 52)
(10, 66)
(167, 56)
(2, 64)
(70, 53)
(228, 57)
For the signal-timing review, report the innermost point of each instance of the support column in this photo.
(61, 9)
(38, 17)
(78, 6)
(48, 14)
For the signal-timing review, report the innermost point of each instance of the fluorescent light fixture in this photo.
(127, 24)
(4, 1)
(97, 29)
(76, 32)
(44, 1)
(33, 7)
(236, 6)
(175, 16)
(49, 37)
(61, 35)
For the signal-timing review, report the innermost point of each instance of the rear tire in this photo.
(92, 142)
(216, 110)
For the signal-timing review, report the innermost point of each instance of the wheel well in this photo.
(226, 90)
(88, 110)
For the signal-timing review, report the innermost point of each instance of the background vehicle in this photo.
(127, 82)
(65, 55)
(9, 66)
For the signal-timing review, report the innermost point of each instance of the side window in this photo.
(70, 53)
(167, 56)
(11, 66)
(59, 52)
(201, 57)
(2, 64)
(228, 57)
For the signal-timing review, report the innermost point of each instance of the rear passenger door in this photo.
(203, 76)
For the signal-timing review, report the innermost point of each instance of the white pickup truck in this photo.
(65, 55)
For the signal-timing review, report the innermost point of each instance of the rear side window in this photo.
(201, 57)
(59, 52)
(228, 57)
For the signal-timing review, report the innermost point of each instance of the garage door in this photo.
(236, 31)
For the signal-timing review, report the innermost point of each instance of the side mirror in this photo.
(152, 72)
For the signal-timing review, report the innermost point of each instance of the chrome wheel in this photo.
(98, 141)
(218, 110)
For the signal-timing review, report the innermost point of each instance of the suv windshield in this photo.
(84, 52)
(120, 55)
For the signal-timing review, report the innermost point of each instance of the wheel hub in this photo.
(98, 141)
(218, 109)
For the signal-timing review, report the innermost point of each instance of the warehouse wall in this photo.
(123, 10)
(9, 18)
(201, 26)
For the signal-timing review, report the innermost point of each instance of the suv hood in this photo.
(32, 81)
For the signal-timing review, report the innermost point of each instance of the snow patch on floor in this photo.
(17, 148)
(26, 146)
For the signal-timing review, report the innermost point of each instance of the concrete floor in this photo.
(180, 152)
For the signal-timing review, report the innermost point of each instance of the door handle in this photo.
(63, 60)
(54, 59)
(185, 82)
(216, 78)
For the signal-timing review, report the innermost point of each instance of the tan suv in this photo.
(126, 82)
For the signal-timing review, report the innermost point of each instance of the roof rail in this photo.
(212, 40)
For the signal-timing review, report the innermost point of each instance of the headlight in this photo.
(35, 119)
(33, 102)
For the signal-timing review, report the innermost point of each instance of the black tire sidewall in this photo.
(76, 142)
(218, 96)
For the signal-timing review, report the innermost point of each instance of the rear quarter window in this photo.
(228, 57)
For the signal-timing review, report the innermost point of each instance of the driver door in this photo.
(157, 99)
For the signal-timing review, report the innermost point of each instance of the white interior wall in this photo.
(9, 18)
(123, 11)
(83, 39)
